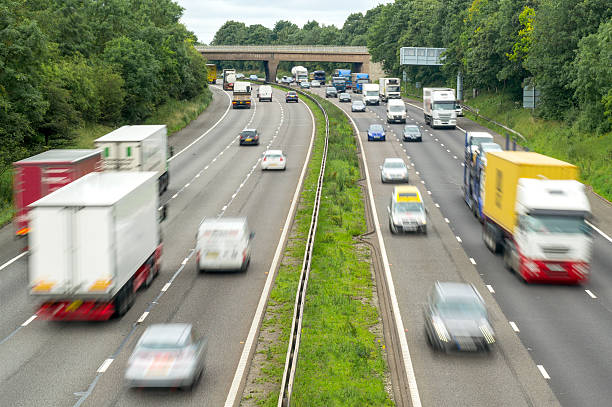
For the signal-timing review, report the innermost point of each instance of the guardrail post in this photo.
(507, 141)
(513, 145)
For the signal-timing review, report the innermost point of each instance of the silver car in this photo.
(358, 106)
(166, 355)
(456, 318)
(393, 170)
(412, 133)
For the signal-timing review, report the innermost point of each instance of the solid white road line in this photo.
(207, 131)
(412, 383)
(104, 365)
(608, 238)
(446, 220)
(490, 288)
(142, 317)
(514, 327)
(472, 261)
(590, 294)
(544, 372)
(252, 336)
(32, 318)
(165, 287)
(458, 239)
(13, 260)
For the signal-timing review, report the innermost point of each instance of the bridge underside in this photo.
(360, 62)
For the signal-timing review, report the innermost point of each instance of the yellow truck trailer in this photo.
(212, 73)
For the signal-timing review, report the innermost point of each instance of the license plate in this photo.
(249, 139)
(555, 267)
(212, 255)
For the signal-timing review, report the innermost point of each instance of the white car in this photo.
(315, 84)
(393, 170)
(223, 244)
(273, 160)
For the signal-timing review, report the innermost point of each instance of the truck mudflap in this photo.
(76, 310)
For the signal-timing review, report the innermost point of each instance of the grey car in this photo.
(358, 106)
(393, 170)
(166, 355)
(331, 92)
(456, 318)
(412, 133)
(344, 97)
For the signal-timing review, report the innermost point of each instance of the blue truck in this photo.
(477, 144)
(339, 83)
(358, 80)
(319, 76)
(346, 74)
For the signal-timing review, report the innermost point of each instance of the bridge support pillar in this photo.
(270, 69)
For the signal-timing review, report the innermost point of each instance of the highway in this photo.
(73, 364)
(564, 329)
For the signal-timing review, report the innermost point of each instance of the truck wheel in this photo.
(507, 257)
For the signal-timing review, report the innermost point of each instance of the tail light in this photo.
(265, 158)
(281, 158)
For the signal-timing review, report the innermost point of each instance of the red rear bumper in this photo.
(76, 311)
(568, 272)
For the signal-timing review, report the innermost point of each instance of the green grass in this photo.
(591, 153)
(341, 361)
(6, 197)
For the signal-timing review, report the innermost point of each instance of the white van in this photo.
(223, 244)
(396, 111)
(265, 93)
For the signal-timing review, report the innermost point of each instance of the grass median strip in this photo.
(341, 359)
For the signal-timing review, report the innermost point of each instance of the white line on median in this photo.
(472, 261)
(165, 287)
(590, 294)
(514, 326)
(544, 372)
(11, 261)
(490, 288)
(446, 220)
(608, 238)
(458, 239)
(437, 206)
(142, 317)
(32, 318)
(105, 365)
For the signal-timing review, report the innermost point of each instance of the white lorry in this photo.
(300, 74)
(241, 95)
(137, 148)
(439, 107)
(93, 244)
(371, 94)
(264, 93)
(389, 88)
(396, 111)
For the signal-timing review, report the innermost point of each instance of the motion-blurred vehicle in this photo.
(167, 355)
(305, 85)
(485, 148)
(331, 92)
(393, 170)
(358, 106)
(273, 160)
(315, 84)
(253, 77)
(456, 318)
(407, 212)
(264, 93)
(412, 133)
(473, 140)
(376, 132)
(223, 244)
(344, 97)
(291, 96)
(249, 136)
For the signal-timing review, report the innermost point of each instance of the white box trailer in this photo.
(137, 148)
(93, 243)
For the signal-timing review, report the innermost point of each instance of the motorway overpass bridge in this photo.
(359, 57)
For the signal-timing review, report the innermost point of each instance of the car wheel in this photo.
(424, 229)
(392, 228)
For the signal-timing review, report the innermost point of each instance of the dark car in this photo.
(291, 96)
(344, 97)
(331, 92)
(358, 106)
(456, 318)
(412, 133)
(376, 132)
(249, 136)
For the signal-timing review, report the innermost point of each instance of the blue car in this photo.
(376, 132)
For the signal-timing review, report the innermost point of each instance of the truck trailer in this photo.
(39, 175)
(241, 96)
(389, 88)
(300, 74)
(211, 70)
(439, 107)
(359, 79)
(137, 148)
(229, 77)
(93, 244)
(535, 212)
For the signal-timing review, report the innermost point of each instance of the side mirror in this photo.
(389, 209)
(251, 235)
(380, 166)
(163, 212)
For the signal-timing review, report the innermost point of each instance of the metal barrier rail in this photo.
(477, 113)
(284, 398)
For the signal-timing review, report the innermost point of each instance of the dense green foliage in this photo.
(66, 64)
(561, 46)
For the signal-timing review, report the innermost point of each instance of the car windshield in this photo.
(371, 93)
(555, 224)
(376, 128)
(411, 130)
(461, 309)
(221, 234)
(393, 88)
(291, 94)
(274, 156)
(490, 147)
(449, 105)
(408, 207)
(478, 140)
(394, 164)
(345, 95)
(396, 108)
(333, 90)
(248, 133)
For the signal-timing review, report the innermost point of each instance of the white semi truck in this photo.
(389, 88)
(300, 74)
(93, 244)
(137, 148)
(439, 107)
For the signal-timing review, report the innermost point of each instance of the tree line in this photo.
(563, 47)
(64, 63)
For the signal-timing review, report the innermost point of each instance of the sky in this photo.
(205, 17)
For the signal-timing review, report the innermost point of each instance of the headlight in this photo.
(487, 332)
(440, 329)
